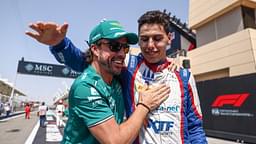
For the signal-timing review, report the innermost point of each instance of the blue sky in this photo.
(81, 15)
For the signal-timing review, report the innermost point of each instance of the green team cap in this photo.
(110, 29)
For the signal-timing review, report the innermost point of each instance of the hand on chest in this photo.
(146, 77)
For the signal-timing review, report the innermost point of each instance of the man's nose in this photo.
(122, 52)
(151, 43)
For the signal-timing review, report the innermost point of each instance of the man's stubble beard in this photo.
(108, 66)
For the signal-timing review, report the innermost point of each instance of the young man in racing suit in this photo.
(178, 119)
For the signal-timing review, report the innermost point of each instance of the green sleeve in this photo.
(90, 106)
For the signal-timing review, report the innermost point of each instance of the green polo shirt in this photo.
(91, 102)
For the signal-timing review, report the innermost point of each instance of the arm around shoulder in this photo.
(66, 52)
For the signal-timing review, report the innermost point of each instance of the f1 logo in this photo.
(235, 100)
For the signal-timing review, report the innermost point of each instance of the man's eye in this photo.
(157, 38)
(144, 39)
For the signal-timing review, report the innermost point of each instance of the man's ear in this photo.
(170, 37)
(95, 50)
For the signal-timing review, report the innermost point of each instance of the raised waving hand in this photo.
(48, 33)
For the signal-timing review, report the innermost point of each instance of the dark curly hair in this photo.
(88, 56)
(155, 17)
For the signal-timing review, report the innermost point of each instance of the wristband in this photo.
(140, 103)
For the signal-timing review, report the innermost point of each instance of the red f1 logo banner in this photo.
(228, 102)
(235, 100)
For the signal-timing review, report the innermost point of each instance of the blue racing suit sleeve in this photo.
(195, 127)
(196, 134)
(66, 53)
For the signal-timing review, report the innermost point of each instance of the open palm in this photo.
(48, 33)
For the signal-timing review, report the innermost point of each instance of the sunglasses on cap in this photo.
(115, 46)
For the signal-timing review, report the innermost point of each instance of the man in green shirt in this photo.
(96, 106)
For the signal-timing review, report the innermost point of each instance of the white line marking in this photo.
(49, 118)
(32, 135)
(53, 134)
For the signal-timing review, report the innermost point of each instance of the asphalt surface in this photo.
(17, 130)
